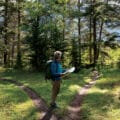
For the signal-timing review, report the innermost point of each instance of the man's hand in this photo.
(62, 74)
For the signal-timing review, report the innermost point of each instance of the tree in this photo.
(75, 54)
(6, 32)
(46, 30)
(79, 34)
(19, 61)
(54, 24)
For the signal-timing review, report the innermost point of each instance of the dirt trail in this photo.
(74, 109)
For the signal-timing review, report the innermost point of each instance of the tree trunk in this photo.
(19, 62)
(79, 34)
(13, 51)
(90, 41)
(99, 40)
(94, 35)
(18, 43)
(5, 31)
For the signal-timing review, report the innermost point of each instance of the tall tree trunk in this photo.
(13, 51)
(90, 41)
(94, 34)
(19, 20)
(63, 34)
(63, 28)
(19, 62)
(99, 40)
(100, 35)
(79, 34)
(5, 32)
(74, 54)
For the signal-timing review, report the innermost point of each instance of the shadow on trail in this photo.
(48, 114)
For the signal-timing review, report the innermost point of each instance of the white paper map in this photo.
(72, 69)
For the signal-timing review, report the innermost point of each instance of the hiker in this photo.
(57, 73)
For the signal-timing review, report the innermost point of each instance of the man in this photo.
(57, 73)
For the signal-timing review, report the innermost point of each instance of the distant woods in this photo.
(31, 30)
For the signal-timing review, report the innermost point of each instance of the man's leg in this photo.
(55, 90)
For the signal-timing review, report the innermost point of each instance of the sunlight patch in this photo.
(114, 114)
(24, 106)
(74, 87)
(2, 69)
(94, 90)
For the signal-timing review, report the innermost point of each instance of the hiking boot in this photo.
(53, 105)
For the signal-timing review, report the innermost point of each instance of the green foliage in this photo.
(52, 24)
(36, 42)
(1, 47)
(45, 30)
(33, 9)
(19, 61)
(118, 63)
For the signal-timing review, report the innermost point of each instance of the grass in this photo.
(101, 103)
(14, 104)
(21, 106)
(103, 100)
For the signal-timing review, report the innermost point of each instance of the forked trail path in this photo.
(72, 112)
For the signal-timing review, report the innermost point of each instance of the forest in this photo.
(87, 32)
